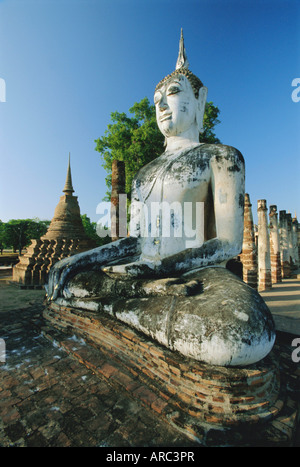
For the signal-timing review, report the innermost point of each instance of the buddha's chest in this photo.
(173, 193)
(181, 179)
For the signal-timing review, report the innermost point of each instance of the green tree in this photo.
(37, 228)
(137, 139)
(210, 120)
(90, 229)
(15, 234)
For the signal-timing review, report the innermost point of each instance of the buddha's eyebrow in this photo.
(175, 82)
(166, 86)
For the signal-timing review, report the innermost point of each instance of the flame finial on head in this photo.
(182, 60)
(182, 65)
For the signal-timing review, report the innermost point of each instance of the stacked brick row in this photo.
(271, 249)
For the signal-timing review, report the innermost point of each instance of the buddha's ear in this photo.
(201, 107)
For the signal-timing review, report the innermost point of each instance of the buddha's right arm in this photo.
(89, 260)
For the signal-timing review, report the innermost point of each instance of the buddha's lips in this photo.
(165, 117)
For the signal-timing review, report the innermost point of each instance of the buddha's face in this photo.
(176, 106)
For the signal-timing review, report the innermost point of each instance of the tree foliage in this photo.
(18, 233)
(90, 229)
(137, 139)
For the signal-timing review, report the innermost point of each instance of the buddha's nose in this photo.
(163, 103)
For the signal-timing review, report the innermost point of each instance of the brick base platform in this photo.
(203, 401)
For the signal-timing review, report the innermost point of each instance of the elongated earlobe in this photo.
(201, 107)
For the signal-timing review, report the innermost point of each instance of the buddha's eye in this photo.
(173, 90)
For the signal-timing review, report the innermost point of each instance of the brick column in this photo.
(249, 252)
(284, 246)
(117, 188)
(274, 246)
(264, 261)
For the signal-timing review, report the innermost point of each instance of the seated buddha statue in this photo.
(168, 277)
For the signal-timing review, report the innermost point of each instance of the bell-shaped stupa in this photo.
(65, 237)
(66, 222)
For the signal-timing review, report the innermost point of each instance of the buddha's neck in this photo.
(182, 141)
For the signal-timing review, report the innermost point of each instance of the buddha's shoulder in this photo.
(221, 152)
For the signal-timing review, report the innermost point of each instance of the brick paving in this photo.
(49, 399)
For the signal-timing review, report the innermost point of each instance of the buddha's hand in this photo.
(89, 260)
(140, 269)
(57, 277)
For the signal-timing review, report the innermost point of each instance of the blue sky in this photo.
(68, 64)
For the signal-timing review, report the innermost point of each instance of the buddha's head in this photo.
(180, 99)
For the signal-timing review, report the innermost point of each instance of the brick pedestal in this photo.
(195, 398)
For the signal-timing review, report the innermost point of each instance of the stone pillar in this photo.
(117, 211)
(264, 261)
(256, 236)
(290, 244)
(274, 246)
(249, 252)
(295, 241)
(284, 246)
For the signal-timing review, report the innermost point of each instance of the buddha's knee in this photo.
(226, 324)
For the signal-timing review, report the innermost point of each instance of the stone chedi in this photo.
(168, 278)
(66, 222)
(64, 237)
